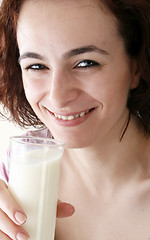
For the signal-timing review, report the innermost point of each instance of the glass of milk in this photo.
(34, 180)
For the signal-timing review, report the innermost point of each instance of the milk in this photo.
(34, 185)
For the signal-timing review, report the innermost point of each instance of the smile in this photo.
(72, 117)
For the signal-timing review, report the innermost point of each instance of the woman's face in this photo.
(75, 71)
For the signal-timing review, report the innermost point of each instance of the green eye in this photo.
(87, 64)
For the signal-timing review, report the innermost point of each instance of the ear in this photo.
(135, 74)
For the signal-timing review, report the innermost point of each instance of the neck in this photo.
(114, 161)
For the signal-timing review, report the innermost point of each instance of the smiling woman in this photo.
(80, 70)
(82, 66)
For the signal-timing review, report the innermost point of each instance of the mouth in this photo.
(72, 116)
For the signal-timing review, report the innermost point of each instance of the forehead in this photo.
(64, 23)
(29, 6)
(73, 3)
(34, 11)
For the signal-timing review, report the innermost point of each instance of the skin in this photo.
(107, 181)
(83, 88)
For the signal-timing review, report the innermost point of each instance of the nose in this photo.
(62, 89)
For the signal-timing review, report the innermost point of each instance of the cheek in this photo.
(108, 83)
(33, 92)
(32, 97)
(108, 91)
(34, 88)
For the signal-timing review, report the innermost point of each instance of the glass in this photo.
(33, 181)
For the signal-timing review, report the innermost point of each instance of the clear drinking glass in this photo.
(34, 180)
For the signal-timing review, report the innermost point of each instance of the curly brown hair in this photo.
(12, 94)
(133, 17)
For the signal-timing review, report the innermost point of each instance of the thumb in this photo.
(64, 209)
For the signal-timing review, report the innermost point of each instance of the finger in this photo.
(3, 236)
(64, 209)
(10, 206)
(9, 229)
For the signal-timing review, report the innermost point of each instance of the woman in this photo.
(82, 70)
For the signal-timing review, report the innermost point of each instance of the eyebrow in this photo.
(82, 50)
(66, 55)
(30, 55)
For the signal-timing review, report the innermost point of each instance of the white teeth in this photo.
(76, 116)
(64, 117)
(59, 116)
(71, 117)
(82, 114)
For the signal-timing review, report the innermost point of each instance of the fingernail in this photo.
(22, 236)
(20, 217)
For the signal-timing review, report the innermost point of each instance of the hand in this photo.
(12, 216)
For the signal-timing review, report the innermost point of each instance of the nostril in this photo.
(62, 99)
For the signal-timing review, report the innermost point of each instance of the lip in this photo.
(74, 122)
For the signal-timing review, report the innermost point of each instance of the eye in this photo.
(36, 67)
(87, 64)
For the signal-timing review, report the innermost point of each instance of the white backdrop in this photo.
(7, 129)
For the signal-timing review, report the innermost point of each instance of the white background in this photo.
(7, 129)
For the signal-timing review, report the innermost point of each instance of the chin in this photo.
(73, 141)
(75, 145)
